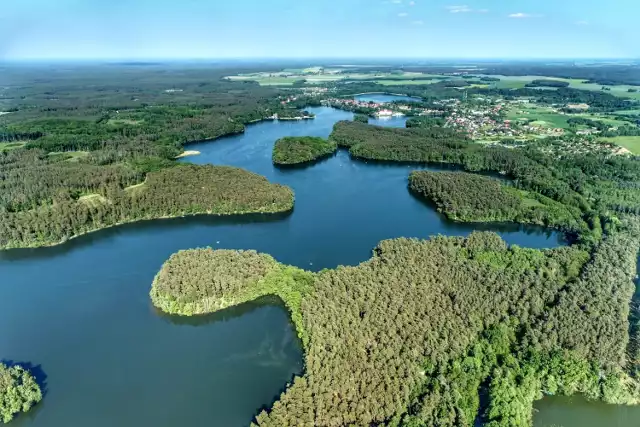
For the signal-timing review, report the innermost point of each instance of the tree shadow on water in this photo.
(141, 227)
(36, 370)
(222, 315)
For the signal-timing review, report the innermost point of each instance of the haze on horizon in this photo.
(421, 29)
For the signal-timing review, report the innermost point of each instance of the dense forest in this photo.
(605, 74)
(176, 191)
(19, 391)
(596, 184)
(475, 198)
(547, 83)
(409, 337)
(85, 134)
(223, 278)
(295, 150)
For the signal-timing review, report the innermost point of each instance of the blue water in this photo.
(81, 311)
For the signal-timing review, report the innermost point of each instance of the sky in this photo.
(217, 29)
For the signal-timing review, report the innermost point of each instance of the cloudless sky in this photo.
(195, 29)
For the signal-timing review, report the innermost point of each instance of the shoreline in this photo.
(133, 221)
(188, 153)
(251, 122)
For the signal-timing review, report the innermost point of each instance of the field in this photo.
(547, 117)
(123, 122)
(631, 143)
(7, 146)
(539, 116)
(516, 82)
(407, 82)
(318, 75)
(93, 200)
(628, 112)
(71, 156)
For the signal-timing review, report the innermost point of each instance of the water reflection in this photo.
(154, 225)
(221, 316)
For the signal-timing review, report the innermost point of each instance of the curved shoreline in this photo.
(149, 219)
(294, 290)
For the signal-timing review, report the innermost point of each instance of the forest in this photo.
(171, 192)
(604, 74)
(295, 150)
(598, 185)
(19, 391)
(409, 337)
(474, 198)
(85, 134)
(547, 83)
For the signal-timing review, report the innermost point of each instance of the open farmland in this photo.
(631, 143)
(317, 75)
(516, 82)
(539, 116)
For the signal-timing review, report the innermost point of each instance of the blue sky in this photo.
(194, 29)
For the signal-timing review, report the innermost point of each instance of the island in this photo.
(19, 391)
(299, 150)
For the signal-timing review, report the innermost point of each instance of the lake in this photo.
(576, 411)
(81, 312)
(395, 121)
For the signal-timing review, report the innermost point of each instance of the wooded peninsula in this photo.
(173, 192)
(409, 337)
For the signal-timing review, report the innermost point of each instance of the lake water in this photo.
(576, 411)
(81, 313)
(394, 122)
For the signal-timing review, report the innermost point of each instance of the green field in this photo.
(406, 82)
(7, 146)
(516, 82)
(628, 112)
(93, 200)
(539, 116)
(266, 80)
(123, 122)
(314, 75)
(546, 117)
(631, 143)
(70, 156)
